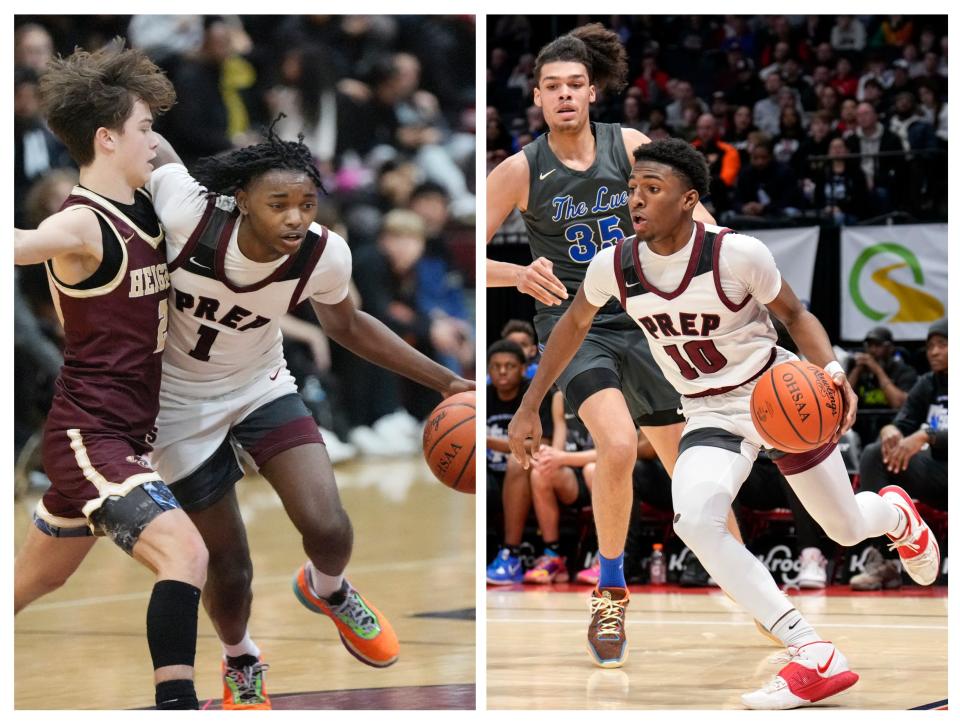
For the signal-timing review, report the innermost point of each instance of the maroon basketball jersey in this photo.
(115, 325)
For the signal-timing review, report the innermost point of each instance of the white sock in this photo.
(793, 630)
(322, 584)
(901, 526)
(245, 647)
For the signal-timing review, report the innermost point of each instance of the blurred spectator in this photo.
(847, 123)
(894, 31)
(815, 143)
(883, 172)
(881, 379)
(414, 295)
(876, 69)
(844, 80)
(32, 47)
(790, 136)
(652, 81)
(522, 333)
(767, 188)
(911, 453)
(907, 123)
(742, 127)
(210, 110)
(632, 115)
(841, 189)
(678, 112)
(848, 34)
(933, 110)
(766, 112)
(36, 151)
(723, 161)
(166, 38)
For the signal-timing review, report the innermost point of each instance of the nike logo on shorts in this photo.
(275, 374)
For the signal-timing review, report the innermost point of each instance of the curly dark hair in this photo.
(227, 173)
(683, 158)
(597, 48)
(86, 91)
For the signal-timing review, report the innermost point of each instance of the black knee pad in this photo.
(172, 623)
(587, 383)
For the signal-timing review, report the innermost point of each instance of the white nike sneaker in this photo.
(918, 547)
(815, 671)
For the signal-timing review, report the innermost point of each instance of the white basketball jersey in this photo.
(711, 332)
(223, 335)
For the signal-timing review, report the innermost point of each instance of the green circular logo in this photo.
(861, 262)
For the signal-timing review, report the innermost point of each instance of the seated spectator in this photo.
(847, 122)
(815, 143)
(911, 453)
(633, 116)
(679, 115)
(739, 133)
(414, 296)
(508, 483)
(723, 161)
(791, 135)
(652, 81)
(880, 377)
(766, 188)
(561, 475)
(522, 333)
(844, 79)
(766, 112)
(882, 173)
(841, 189)
(848, 34)
(933, 110)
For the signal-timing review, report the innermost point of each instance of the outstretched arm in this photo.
(367, 337)
(507, 188)
(74, 234)
(565, 338)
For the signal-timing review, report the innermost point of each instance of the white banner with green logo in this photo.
(795, 250)
(893, 275)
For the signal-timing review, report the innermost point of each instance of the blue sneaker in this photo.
(505, 569)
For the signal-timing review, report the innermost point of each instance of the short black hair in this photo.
(683, 158)
(429, 187)
(518, 326)
(507, 346)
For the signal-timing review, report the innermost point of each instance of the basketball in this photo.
(449, 441)
(796, 407)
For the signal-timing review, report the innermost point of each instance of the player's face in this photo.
(564, 94)
(506, 372)
(937, 353)
(659, 200)
(279, 207)
(135, 145)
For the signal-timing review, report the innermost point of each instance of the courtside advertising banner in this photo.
(795, 250)
(893, 275)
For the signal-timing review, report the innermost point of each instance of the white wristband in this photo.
(834, 367)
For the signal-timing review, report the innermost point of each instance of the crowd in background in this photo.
(386, 105)
(830, 120)
(790, 112)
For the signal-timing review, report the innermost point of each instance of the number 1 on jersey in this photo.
(201, 351)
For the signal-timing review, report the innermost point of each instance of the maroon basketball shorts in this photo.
(91, 472)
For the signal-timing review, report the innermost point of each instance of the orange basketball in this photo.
(796, 407)
(450, 441)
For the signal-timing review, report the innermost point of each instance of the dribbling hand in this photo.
(524, 426)
(849, 403)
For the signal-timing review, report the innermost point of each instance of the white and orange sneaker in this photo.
(815, 671)
(918, 547)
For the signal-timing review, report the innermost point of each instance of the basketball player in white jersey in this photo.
(569, 186)
(243, 250)
(702, 295)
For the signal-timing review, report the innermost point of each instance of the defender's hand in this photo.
(538, 280)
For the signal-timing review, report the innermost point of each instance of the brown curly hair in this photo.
(86, 91)
(597, 48)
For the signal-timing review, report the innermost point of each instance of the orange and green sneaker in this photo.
(364, 631)
(244, 688)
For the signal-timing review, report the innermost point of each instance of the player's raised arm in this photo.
(814, 344)
(565, 339)
(507, 187)
(75, 233)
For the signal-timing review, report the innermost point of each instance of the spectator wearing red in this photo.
(845, 81)
(652, 81)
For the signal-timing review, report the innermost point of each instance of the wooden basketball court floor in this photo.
(697, 650)
(84, 646)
